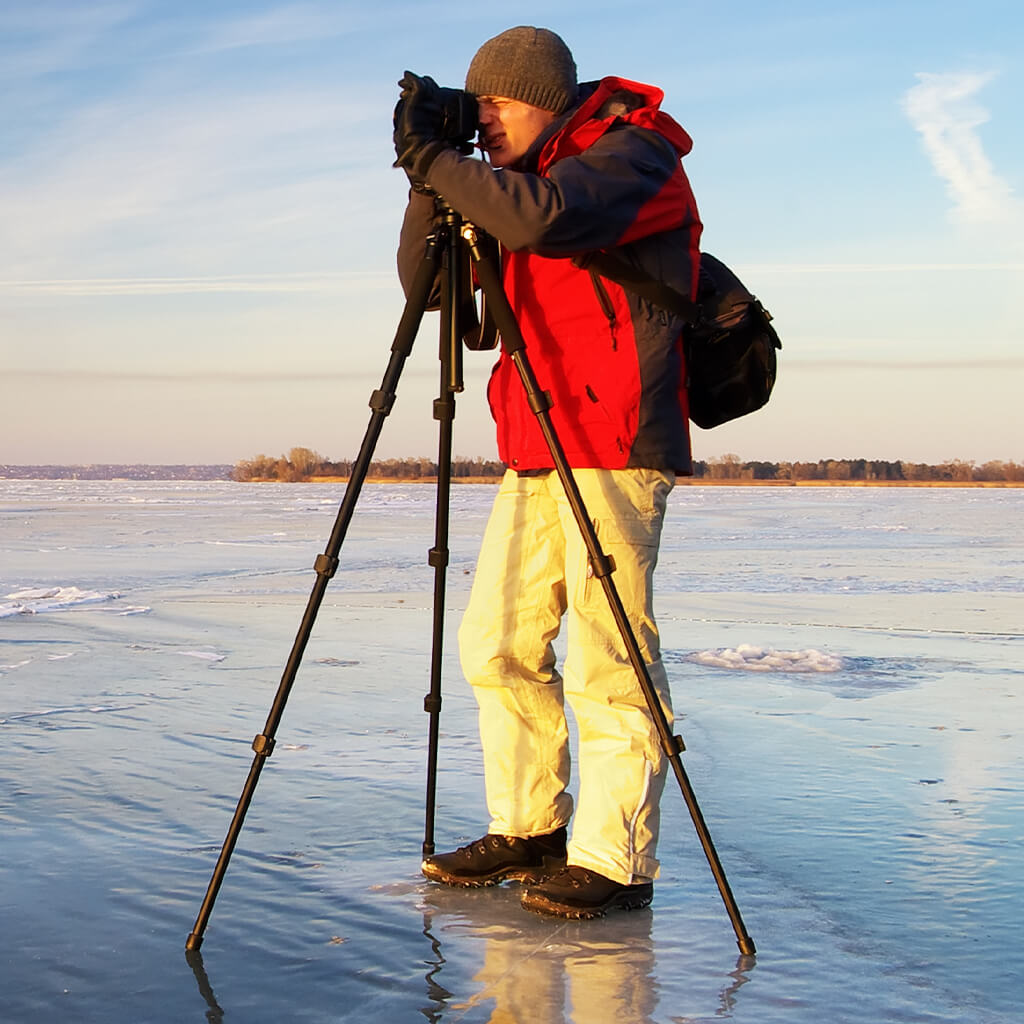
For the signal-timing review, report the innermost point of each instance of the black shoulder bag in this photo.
(728, 339)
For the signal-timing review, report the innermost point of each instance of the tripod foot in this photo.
(746, 945)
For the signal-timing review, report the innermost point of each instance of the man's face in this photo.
(509, 127)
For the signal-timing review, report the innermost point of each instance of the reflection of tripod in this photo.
(452, 246)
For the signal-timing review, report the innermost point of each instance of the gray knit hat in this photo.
(525, 63)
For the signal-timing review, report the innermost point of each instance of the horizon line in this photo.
(306, 281)
(201, 375)
(457, 459)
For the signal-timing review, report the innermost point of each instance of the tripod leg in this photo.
(326, 565)
(540, 404)
(450, 358)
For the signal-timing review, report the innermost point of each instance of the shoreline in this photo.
(685, 481)
(681, 481)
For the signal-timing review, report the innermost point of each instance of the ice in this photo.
(846, 675)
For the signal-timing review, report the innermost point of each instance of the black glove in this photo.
(419, 115)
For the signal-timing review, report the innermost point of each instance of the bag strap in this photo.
(620, 270)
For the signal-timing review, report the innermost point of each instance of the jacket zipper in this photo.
(605, 302)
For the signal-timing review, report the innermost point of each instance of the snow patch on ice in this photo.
(751, 658)
(94, 709)
(14, 665)
(203, 655)
(35, 600)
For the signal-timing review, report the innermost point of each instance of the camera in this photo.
(459, 119)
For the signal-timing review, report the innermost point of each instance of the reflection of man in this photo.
(574, 980)
(571, 169)
(579, 974)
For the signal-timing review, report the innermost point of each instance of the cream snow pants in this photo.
(533, 570)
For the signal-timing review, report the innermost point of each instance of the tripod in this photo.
(451, 247)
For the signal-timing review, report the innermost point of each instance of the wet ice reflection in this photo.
(868, 817)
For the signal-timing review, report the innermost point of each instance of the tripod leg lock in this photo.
(674, 745)
(326, 566)
(539, 402)
(437, 558)
(432, 704)
(382, 401)
(263, 745)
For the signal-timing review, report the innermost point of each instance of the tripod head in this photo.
(460, 240)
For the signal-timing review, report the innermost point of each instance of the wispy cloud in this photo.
(148, 142)
(800, 269)
(359, 281)
(958, 365)
(943, 109)
(336, 282)
(288, 23)
(187, 183)
(207, 375)
(37, 40)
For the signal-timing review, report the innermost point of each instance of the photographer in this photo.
(570, 169)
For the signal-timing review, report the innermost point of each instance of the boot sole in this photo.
(531, 876)
(541, 904)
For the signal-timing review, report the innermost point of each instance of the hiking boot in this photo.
(495, 858)
(580, 893)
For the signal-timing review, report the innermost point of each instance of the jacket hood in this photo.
(605, 103)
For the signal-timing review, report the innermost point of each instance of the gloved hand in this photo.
(419, 115)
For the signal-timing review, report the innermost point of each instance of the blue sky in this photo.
(199, 218)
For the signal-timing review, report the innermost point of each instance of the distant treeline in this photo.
(304, 464)
(731, 467)
(117, 471)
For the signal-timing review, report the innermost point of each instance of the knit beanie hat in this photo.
(525, 63)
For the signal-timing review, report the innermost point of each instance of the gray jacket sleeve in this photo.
(412, 240)
(585, 202)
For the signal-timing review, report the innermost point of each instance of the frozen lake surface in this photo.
(845, 662)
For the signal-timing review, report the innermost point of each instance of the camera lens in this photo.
(459, 119)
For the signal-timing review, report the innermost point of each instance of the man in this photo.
(571, 169)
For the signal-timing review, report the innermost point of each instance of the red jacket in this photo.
(607, 174)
